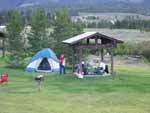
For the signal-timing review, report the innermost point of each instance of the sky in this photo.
(132, 0)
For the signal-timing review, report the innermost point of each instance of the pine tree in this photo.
(64, 28)
(15, 40)
(40, 34)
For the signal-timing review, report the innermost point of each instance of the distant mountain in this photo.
(76, 4)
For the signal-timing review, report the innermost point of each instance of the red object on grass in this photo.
(4, 78)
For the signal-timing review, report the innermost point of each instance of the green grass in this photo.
(129, 92)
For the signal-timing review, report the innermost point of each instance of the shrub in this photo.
(141, 49)
(126, 48)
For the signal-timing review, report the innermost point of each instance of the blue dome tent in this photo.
(43, 61)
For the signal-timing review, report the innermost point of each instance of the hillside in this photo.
(141, 6)
(125, 34)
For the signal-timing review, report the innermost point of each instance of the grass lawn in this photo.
(129, 92)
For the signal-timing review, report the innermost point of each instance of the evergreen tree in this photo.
(64, 28)
(40, 34)
(15, 40)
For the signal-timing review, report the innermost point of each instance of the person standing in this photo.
(62, 64)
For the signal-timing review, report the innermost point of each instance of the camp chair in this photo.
(4, 78)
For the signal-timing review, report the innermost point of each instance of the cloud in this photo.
(133, 1)
(136, 1)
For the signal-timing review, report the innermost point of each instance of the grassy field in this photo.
(127, 35)
(129, 92)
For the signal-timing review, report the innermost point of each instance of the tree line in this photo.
(120, 24)
(24, 40)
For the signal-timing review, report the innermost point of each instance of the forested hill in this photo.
(81, 5)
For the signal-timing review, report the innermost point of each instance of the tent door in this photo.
(44, 65)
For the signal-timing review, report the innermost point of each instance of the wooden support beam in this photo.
(96, 41)
(88, 41)
(112, 62)
(73, 59)
(80, 59)
(102, 54)
(95, 46)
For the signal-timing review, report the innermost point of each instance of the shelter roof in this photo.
(88, 35)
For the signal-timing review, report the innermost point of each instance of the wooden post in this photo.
(73, 58)
(96, 41)
(88, 41)
(80, 59)
(102, 54)
(112, 62)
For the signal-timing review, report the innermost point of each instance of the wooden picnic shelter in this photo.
(94, 40)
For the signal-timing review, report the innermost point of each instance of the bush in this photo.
(126, 48)
(141, 49)
(16, 62)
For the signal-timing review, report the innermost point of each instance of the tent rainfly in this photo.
(44, 61)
